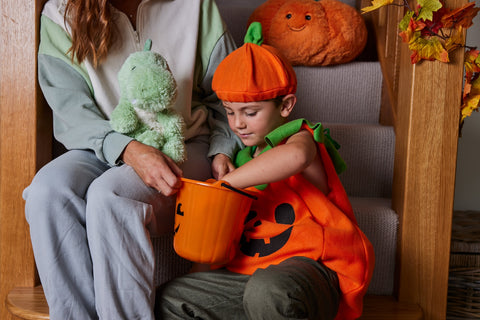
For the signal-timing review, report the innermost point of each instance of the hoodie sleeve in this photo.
(78, 123)
(214, 44)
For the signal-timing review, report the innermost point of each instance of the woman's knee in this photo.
(37, 196)
(59, 184)
(118, 196)
(100, 199)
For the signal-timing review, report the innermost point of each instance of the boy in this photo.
(302, 254)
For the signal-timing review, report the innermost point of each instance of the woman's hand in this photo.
(153, 167)
(221, 165)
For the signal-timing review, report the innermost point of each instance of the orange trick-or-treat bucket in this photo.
(209, 220)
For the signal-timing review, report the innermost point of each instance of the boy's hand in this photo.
(221, 165)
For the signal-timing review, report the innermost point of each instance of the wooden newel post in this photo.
(428, 108)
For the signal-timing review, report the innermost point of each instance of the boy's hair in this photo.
(278, 101)
(254, 72)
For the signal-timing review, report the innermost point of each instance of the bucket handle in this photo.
(226, 185)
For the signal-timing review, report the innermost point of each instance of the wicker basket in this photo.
(464, 277)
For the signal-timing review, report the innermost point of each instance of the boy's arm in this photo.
(298, 155)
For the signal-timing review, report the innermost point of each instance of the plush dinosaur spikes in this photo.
(148, 45)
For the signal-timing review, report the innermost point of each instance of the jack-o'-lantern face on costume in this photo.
(279, 225)
(284, 215)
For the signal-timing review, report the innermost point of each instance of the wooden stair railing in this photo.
(425, 100)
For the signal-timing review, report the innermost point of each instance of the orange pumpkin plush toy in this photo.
(312, 32)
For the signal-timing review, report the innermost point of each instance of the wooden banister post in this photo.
(427, 120)
(25, 139)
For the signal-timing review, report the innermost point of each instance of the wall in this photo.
(467, 185)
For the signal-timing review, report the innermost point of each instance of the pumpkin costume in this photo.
(301, 254)
(293, 218)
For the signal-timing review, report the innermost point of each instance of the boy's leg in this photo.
(297, 288)
(208, 295)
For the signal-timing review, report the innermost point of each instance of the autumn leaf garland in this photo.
(432, 32)
(471, 89)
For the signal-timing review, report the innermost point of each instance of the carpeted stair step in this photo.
(368, 150)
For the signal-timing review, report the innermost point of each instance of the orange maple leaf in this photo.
(472, 70)
(412, 32)
(475, 87)
(456, 40)
(469, 105)
(427, 49)
(472, 63)
(462, 16)
(471, 91)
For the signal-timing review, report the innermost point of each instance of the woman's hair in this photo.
(91, 29)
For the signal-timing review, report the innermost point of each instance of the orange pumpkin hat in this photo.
(254, 72)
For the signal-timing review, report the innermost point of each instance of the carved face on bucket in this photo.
(285, 215)
(178, 213)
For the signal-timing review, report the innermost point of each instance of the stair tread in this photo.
(30, 303)
(345, 93)
(368, 151)
(27, 303)
(380, 223)
(387, 307)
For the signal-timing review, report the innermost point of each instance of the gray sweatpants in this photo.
(90, 226)
(297, 288)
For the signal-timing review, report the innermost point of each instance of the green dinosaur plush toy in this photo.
(147, 93)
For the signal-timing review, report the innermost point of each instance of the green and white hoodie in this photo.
(192, 37)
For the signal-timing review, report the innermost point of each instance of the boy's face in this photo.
(252, 121)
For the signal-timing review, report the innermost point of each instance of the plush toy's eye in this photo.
(289, 16)
(133, 68)
(308, 17)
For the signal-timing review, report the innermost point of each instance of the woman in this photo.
(93, 209)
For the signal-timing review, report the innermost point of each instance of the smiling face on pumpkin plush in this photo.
(312, 32)
(300, 29)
